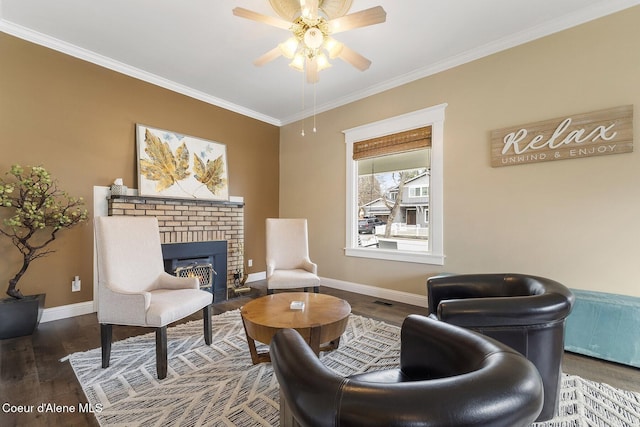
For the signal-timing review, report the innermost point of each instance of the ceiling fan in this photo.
(312, 23)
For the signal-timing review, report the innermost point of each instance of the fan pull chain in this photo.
(303, 83)
(314, 107)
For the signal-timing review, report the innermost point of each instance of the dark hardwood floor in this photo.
(32, 373)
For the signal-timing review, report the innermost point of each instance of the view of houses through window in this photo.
(393, 201)
(394, 194)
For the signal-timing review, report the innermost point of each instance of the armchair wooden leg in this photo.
(206, 317)
(161, 352)
(316, 289)
(105, 338)
(269, 291)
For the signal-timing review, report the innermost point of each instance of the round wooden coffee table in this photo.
(321, 322)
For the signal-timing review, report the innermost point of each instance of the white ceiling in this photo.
(198, 48)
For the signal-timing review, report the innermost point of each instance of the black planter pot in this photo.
(20, 317)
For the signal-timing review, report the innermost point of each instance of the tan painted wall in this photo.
(572, 220)
(78, 120)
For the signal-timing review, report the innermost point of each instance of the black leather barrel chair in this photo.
(447, 376)
(524, 312)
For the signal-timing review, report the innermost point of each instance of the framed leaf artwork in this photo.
(174, 165)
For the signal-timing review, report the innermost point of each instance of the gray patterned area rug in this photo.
(218, 386)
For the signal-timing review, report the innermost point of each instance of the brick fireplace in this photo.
(184, 221)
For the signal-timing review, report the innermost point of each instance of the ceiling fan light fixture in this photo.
(322, 61)
(298, 62)
(289, 47)
(311, 22)
(313, 38)
(333, 47)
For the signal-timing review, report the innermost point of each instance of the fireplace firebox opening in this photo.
(206, 260)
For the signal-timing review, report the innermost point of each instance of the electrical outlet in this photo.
(250, 263)
(76, 284)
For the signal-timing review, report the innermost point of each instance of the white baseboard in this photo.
(254, 277)
(81, 308)
(78, 309)
(374, 291)
(358, 288)
(65, 311)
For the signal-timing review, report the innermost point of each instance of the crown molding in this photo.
(122, 68)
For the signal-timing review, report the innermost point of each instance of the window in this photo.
(394, 176)
(419, 191)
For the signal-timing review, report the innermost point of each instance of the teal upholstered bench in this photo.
(605, 326)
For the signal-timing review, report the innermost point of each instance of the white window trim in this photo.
(433, 116)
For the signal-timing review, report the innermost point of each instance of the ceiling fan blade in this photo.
(258, 17)
(374, 15)
(311, 70)
(354, 58)
(268, 57)
(309, 8)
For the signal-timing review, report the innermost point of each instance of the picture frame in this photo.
(174, 165)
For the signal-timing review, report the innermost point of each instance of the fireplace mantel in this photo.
(147, 200)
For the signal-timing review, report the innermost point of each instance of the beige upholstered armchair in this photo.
(134, 289)
(288, 263)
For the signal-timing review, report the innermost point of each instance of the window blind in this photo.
(409, 140)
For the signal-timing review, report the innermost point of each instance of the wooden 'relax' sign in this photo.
(581, 135)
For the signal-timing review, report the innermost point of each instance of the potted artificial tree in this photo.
(33, 211)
